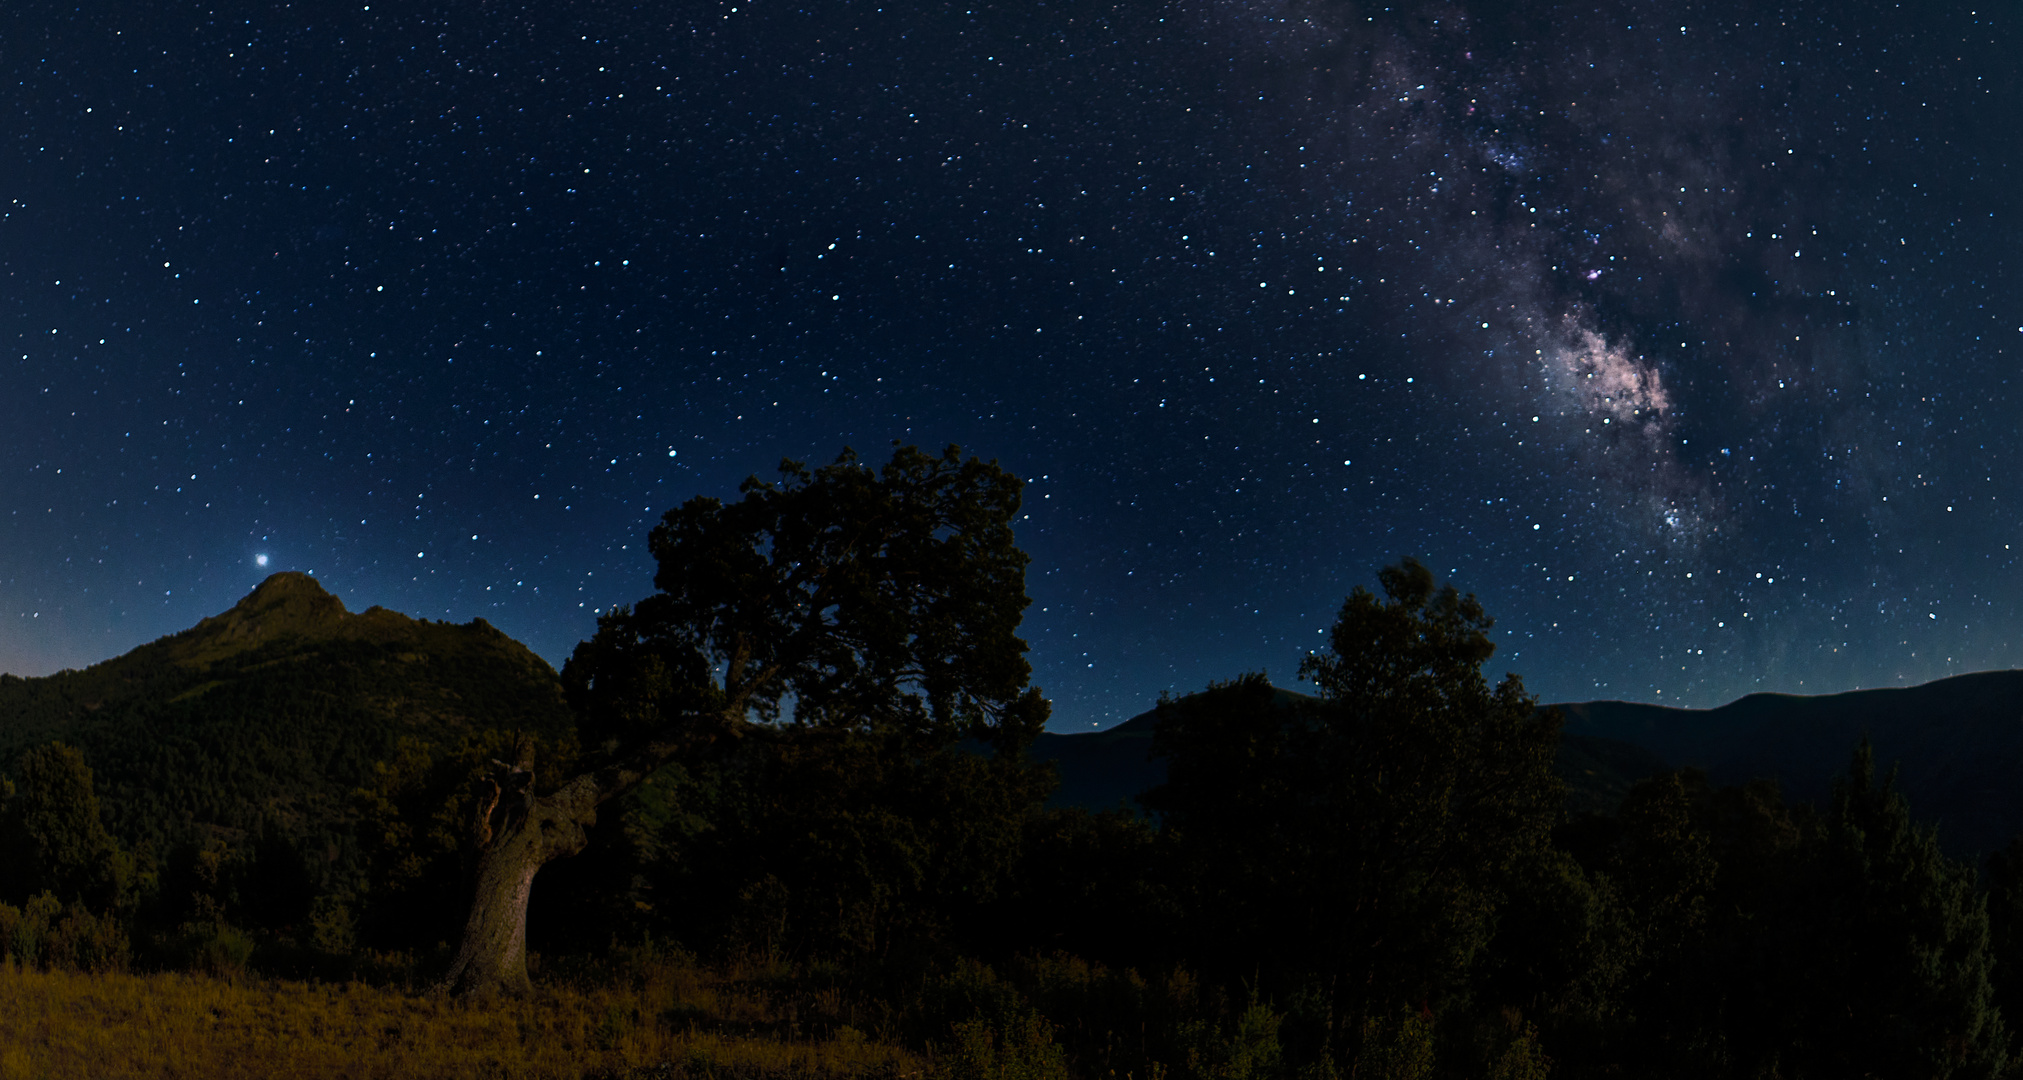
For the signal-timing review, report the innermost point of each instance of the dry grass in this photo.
(671, 1020)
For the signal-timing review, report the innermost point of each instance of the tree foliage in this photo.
(1366, 843)
(845, 625)
(881, 601)
(53, 838)
(821, 648)
(1892, 959)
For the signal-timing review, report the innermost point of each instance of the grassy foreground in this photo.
(672, 1020)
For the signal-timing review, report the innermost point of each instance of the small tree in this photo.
(882, 601)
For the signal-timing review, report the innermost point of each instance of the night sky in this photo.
(1686, 336)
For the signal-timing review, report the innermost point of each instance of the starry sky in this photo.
(1684, 335)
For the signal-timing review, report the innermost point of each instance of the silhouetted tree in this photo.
(883, 603)
(1888, 952)
(1364, 844)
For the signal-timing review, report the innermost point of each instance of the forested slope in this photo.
(1958, 743)
(266, 719)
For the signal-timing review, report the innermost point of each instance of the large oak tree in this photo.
(883, 601)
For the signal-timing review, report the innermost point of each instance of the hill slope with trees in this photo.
(240, 747)
(1957, 744)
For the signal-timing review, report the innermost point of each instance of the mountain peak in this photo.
(286, 586)
(292, 597)
(287, 604)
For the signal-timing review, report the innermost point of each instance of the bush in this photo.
(993, 1031)
(213, 948)
(35, 937)
(1521, 1058)
(1400, 1049)
(1016, 1047)
(1248, 1051)
(95, 944)
(24, 931)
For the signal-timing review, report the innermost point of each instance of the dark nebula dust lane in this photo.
(1683, 335)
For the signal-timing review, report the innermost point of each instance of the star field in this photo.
(1684, 335)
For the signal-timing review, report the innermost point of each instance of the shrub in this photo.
(1016, 1047)
(1249, 1050)
(1400, 1049)
(24, 931)
(1521, 1058)
(45, 936)
(213, 948)
(993, 1031)
(95, 944)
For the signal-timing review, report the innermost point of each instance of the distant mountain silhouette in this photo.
(269, 715)
(1959, 742)
(1104, 769)
(1101, 770)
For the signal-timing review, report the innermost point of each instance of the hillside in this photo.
(268, 716)
(1958, 741)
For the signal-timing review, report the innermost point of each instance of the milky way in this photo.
(1602, 218)
(1681, 335)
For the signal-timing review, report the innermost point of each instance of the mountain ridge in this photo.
(1956, 744)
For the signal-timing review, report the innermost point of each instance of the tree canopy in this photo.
(876, 609)
(883, 600)
(1363, 844)
(52, 836)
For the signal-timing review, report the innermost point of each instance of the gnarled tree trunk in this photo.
(516, 832)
